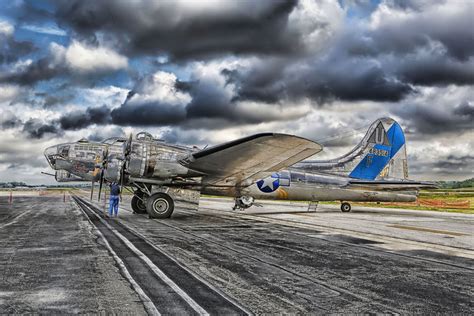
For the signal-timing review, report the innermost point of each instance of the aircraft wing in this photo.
(242, 161)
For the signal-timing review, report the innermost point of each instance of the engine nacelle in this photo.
(150, 159)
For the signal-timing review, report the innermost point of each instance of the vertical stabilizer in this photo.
(380, 155)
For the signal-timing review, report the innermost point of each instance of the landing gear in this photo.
(243, 202)
(159, 205)
(346, 207)
(138, 202)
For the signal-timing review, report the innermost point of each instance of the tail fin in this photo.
(380, 155)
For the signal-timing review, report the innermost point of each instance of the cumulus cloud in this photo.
(36, 128)
(205, 72)
(77, 61)
(9, 120)
(6, 28)
(205, 29)
(8, 92)
(438, 111)
(10, 48)
(81, 119)
(206, 99)
(406, 28)
(324, 80)
(82, 58)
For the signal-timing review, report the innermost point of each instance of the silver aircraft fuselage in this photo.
(298, 185)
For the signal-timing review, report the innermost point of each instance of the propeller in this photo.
(126, 154)
(99, 160)
(102, 172)
(94, 173)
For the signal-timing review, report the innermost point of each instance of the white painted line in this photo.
(15, 220)
(149, 306)
(197, 276)
(197, 308)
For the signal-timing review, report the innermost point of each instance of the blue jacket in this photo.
(114, 189)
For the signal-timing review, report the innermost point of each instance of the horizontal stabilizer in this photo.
(394, 184)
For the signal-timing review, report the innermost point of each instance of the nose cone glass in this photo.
(55, 153)
(51, 154)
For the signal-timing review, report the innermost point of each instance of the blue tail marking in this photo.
(374, 162)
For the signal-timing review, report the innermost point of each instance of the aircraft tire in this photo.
(159, 205)
(346, 207)
(138, 206)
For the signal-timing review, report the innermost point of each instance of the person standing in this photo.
(114, 199)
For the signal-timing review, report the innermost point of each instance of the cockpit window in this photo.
(64, 151)
(51, 153)
(113, 140)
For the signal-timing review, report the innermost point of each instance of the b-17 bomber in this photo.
(261, 166)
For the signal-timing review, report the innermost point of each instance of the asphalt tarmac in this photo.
(51, 261)
(277, 258)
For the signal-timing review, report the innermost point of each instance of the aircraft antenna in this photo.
(345, 134)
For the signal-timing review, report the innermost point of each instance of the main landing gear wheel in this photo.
(345, 207)
(138, 205)
(159, 205)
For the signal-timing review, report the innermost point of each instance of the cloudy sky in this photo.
(208, 71)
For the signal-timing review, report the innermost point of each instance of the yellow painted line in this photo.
(428, 230)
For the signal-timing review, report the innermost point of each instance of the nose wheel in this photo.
(345, 207)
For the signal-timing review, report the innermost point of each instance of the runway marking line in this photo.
(428, 230)
(195, 306)
(149, 306)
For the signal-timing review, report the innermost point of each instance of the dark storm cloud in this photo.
(48, 68)
(148, 114)
(10, 122)
(210, 101)
(141, 27)
(420, 25)
(51, 100)
(34, 128)
(39, 70)
(453, 162)
(178, 136)
(430, 70)
(465, 110)
(210, 106)
(443, 167)
(12, 50)
(434, 120)
(323, 81)
(81, 119)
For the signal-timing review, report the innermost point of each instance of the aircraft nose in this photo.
(50, 154)
(56, 153)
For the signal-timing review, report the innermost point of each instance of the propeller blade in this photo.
(102, 172)
(128, 146)
(100, 183)
(121, 180)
